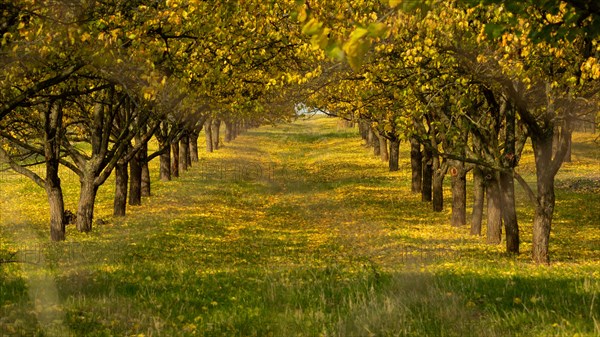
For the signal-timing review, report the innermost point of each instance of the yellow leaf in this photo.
(395, 3)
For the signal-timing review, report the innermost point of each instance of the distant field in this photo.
(296, 230)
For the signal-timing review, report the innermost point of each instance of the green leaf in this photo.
(493, 30)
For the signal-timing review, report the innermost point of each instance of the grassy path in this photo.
(293, 231)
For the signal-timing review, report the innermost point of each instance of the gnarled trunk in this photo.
(194, 146)
(229, 132)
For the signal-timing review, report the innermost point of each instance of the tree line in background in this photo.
(466, 83)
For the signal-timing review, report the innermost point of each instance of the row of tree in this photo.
(467, 84)
(86, 85)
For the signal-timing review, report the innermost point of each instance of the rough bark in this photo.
(194, 146)
(184, 151)
(175, 158)
(375, 145)
(135, 181)
(87, 197)
(165, 163)
(509, 212)
(216, 127)
(383, 149)
(438, 190)
(459, 194)
(416, 165)
(394, 154)
(426, 191)
(229, 132)
(478, 201)
(209, 137)
(52, 126)
(146, 188)
(120, 200)
(494, 213)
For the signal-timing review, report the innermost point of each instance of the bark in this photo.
(394, 154)
(216, 127)
(383, 150)
(494, 213)
(121, 178)
(459, 194)
(184, 151)
(87, 197)
(438, 190)
(375, 144)
(52, 126)
(209, 137)
(135, 181)
(509, 212)
(370, 137)
(546, 169)
(194, 146)
(165, 163)
(507, 185)
(229, 132)
(416, 165)
(478, 201)
(146, 188)
(426, 192)
(175, 158)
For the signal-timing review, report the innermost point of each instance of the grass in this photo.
(296, 230)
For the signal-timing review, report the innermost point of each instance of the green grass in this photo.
(296, 230)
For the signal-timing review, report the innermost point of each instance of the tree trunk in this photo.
(494, 213)
(375, 145)
(416, 165)
(228, 131)
(459, 194)
(121, 178)
(52, 125)
(478, 201)
(194, 146)
(542, 220)
(438, 190)
(175, 158)
(146, 190)
(370, 137)
(509, 212)
(383, 149)
(209, 137)
(165, 163)
(87, 198)
(216, 127)
(135, 181)
(184, 148)
(426, 192)
(394, 154)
